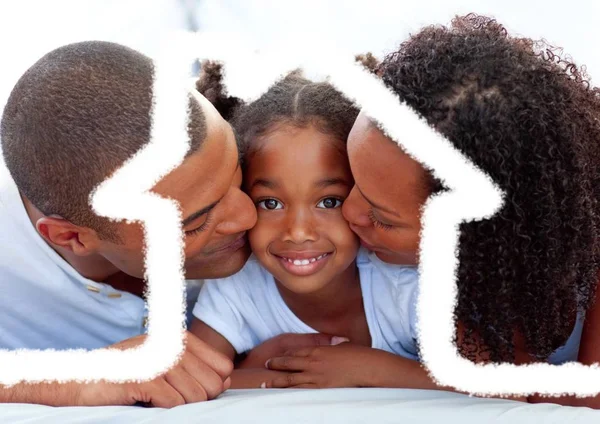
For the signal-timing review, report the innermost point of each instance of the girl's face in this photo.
(384, 207)
(298, 178)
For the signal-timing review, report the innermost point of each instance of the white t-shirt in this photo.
(44, 302)
(247, 308)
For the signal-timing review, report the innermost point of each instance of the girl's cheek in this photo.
(342, 234)
(263, 232)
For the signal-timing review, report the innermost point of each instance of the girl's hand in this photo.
(345, 365)
(280, 345)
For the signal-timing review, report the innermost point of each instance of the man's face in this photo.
(216, 213)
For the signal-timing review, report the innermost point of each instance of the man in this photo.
(71, 279)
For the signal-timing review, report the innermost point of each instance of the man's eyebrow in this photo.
(375, 205)
(326, 182)
(264, 183)
(210, 207)
(199, 213)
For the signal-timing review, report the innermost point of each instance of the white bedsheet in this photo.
(317, 406)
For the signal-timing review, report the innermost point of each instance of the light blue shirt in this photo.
(247, 308)
(44, 302)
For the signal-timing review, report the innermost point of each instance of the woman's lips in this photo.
(363, 242)
(367, 245)
(372, 248)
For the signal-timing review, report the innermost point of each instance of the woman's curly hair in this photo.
(531, 121)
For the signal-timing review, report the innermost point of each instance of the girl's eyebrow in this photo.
(264, 183)
(326, 182)
(187, 221)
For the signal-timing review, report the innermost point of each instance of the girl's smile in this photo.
(303, 263)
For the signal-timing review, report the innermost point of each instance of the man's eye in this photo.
(201, 228)
(329, 203)
(270, 204)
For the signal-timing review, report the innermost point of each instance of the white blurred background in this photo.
(31, 28)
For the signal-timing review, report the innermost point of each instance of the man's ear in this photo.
(82, 241)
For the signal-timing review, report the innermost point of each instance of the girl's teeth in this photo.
(299, 262)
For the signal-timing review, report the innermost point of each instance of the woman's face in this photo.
(384, 207)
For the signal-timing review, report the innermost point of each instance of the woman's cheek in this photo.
(401, 240)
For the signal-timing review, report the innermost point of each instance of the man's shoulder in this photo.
(11, 205)
(25, 259)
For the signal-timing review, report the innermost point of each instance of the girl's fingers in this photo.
(287, 363)
(299, 353)
(295, 380)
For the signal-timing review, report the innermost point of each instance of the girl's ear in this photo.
(61, 233)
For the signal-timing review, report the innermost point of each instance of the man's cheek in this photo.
(195, 247)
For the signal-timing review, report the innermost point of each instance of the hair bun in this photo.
(368, 61)
(210, 85)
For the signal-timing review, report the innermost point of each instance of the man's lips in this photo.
(235, 244)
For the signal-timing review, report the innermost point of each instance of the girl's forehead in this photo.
(301, 154)
(303, 148)
(288, 136)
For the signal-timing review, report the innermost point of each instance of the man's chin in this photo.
(220, 267)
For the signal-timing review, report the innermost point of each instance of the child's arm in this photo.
(211, 337)
(349, 365)
(240, 378)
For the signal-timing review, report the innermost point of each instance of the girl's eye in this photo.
(329, 203)
(270, 204)
(377, 223)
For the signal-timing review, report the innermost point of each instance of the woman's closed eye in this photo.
(377, 223)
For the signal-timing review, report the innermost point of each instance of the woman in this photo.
(527, 119)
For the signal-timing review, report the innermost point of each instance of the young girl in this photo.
(307, 273)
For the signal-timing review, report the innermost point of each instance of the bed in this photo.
(315, 406)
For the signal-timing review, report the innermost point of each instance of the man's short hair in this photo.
(73, 119)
